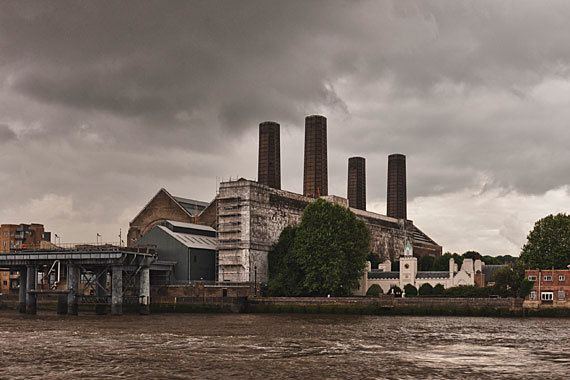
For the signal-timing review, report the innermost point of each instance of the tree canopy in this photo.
(548, 244)
(325, 254)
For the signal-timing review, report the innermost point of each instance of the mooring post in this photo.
(23, 290)
(31, 297)
(73, 288)
(117, 290)
(144, 293)
(101, 307)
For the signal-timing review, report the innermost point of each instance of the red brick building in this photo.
(551, 287)
(18, 236)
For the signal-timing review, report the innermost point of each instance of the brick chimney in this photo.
(269, 162)
(315, 172)
(397, 201)
(356, 192)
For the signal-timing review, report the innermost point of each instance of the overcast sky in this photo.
(103, 103)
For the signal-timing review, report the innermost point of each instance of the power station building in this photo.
(250, 215)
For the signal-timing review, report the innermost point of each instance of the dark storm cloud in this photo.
(118, 98)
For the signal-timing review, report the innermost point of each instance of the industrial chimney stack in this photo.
(269, 163)
(356, 192)
(397, 202)
(315, 173)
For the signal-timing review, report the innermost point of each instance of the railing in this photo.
(82, 247)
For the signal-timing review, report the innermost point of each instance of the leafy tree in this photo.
(438, 290)
(410, 290)
(426, 290)
(285, 275)
(441, 263)
(425, 263)
(330, 246)
(374, 259)
(374, 291)
(548, 244)
(525, 288)
(472, 255)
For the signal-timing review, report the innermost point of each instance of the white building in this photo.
(409, 274)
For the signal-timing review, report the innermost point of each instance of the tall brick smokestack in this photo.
(269, 163)
(356, 192)
(397, 201)
(315, 172)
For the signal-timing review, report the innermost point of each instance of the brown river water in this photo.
(247, 346)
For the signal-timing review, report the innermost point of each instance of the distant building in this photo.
(551, 288)
(409, 274)
(19, 236)
(191, 248)
(162, 207)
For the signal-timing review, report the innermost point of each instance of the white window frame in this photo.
(561, 295)
(547, 277)
(562, 278)
(532, 295)
(547, 296)
(532, 278)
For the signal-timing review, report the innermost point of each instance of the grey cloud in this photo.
(115, 98)
(6, 134)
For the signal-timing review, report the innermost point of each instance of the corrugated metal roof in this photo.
(191, 225)
(193, 241)
(193, 206)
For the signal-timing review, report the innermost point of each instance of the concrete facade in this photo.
(315, 165)
(251, 217)
(356, 183)
(269, 161)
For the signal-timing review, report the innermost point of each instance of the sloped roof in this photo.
(376, 274)
(192, 241)
(189, 206)
(427, 275)
(190, 226)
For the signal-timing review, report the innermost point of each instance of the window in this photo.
(546, 296)
(532, 295)
(561, 278)
(5, 283)
(547, 278)
(561, 295)
(532, 278)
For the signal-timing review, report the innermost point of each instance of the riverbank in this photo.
(384, 305)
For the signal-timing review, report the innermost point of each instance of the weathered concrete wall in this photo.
(251, 217)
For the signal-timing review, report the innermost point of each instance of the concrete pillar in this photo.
(23, 290)
(144, 295)
(117, 291)
(73, 287)
(31, 298)
(62, 305)
(101, 308)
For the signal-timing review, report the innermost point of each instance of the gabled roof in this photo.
(184, 203)
(192, 226)
(192, 241)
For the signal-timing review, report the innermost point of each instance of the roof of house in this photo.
(428, 275)
(490, 270)
(190, 206)
(190, 226)
(192, 241)
(376, 274)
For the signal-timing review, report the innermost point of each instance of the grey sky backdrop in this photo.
(102, 103)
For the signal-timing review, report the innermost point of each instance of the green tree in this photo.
(331, 246)
(410, 290)
(425, 263)
(548, 244)
(374, 291)
(425, 290)
(285, 275)
(472, 255)
(438, 290)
